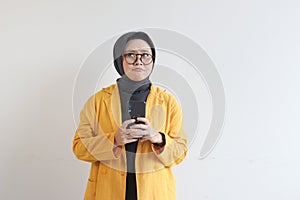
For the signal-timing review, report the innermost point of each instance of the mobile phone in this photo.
(137, 109)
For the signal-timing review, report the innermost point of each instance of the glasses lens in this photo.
(130, 58)
(146, 58)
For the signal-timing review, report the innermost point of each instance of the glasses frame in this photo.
(136, 58)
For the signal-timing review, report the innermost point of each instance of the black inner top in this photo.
(137, 91)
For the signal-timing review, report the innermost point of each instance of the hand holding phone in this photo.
(136, 109)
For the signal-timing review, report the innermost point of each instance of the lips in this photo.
(138, 69)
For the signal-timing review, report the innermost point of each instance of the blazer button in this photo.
(91, 179)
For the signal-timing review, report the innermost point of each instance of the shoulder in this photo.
(105, 92)
(163, 94)
(101, 95)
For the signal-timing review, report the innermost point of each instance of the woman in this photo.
(131, 158)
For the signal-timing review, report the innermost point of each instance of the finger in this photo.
(132, 134)
(129, 121)
(125, 123)
(136, 133)
(143, 119)
(123, 131)
(126, 139)
(129, 137)
(144, 139)
(130, 140)
(139, 126)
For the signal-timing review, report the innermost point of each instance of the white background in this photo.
(254, 44)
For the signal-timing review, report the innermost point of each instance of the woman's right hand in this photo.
(122, 135)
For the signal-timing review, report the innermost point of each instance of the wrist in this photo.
(161, 141)
(157, 138)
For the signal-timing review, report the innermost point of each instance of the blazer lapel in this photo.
(113, 107)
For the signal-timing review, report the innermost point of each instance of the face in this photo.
(137, 70)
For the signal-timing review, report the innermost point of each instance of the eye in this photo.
(146, 55)
(130, 55)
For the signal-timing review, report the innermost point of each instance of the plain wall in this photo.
(254, 44)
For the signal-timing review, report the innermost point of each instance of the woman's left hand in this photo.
(145, 130)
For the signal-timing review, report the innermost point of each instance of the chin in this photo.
(136, 78)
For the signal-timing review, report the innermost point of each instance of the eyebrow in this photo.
(141, 50)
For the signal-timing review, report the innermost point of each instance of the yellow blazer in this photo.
(100, 118)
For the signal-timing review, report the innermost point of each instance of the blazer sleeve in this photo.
(90, 143)
(175, 149)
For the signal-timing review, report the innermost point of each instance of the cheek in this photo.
(149, 69)
(125, 67)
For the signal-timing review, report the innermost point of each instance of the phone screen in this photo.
(137, 109)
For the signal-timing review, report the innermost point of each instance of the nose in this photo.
(138, 60)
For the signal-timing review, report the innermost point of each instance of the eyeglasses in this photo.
(131, 58)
